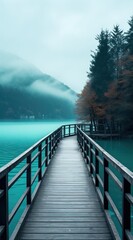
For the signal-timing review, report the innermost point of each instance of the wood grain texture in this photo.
(67, 206)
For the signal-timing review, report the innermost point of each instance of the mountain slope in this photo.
(25, 92)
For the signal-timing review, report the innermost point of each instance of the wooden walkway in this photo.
(67, 206)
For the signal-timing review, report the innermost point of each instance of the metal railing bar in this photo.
(13, 163)
(43, 147)
(92, 150)
(35, 176)
(112, 226)
(35, 157)
(129, 235)
(2, 228)
(113, 176)
(100, 160)
(11, 215)
(92, 165)
(88, 159)
(20, 223)
(100, 180)
(17, 176)
(43, 162)
(120, 167)
(1, 193)
(35, 191)
(129, 197)
(100, 194)
(118, 215)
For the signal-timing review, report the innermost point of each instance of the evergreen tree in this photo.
(129, 37)
(108, 96)
(101, 65)
(117, 44)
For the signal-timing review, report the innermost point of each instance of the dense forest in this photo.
(23, 104)
(107, 97)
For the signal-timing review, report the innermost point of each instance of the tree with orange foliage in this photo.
(108, 95)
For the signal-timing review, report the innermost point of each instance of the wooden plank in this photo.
(67, 224)
(64, 219)
(64, 230)
(66, 236)
(67, 206)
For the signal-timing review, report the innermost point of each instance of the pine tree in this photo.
(117, 44)
(129, 37)
(101, 71)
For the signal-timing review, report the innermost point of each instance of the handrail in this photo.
(42, 152)
(97, 158)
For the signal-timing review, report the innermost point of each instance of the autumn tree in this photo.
(108, 94)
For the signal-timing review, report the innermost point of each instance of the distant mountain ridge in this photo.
(25, 92)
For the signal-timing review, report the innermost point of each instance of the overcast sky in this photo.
(57, 36)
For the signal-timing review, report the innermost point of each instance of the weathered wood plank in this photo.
(74, 224)
(64, 230)
(66, 236)
(64, 219)
(67, 206)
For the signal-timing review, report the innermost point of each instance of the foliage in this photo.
(108, 94)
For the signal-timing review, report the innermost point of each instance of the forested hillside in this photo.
(27, 93)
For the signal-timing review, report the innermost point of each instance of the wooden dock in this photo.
(67, 206)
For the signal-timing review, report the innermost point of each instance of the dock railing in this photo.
(41, 154)
(104, 168)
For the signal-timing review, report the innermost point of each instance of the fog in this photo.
(57, 36)
(17, 73)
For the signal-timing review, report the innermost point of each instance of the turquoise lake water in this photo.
(16, 137)
(121, 149)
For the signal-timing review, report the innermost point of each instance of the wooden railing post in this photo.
(91, 159)
(46, 152)
(4, 207)
(64, 131)
(106, 184)
(56, 139)
(40, 162)
(60, 134)
(82, 141)
(29, 179)
(50, 147)
(87, 151)
(85, 148)
(126, 214)
(75, 129)
(96, 167)
(69, 133)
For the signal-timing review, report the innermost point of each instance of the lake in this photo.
(121, 149)
(16, 137)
